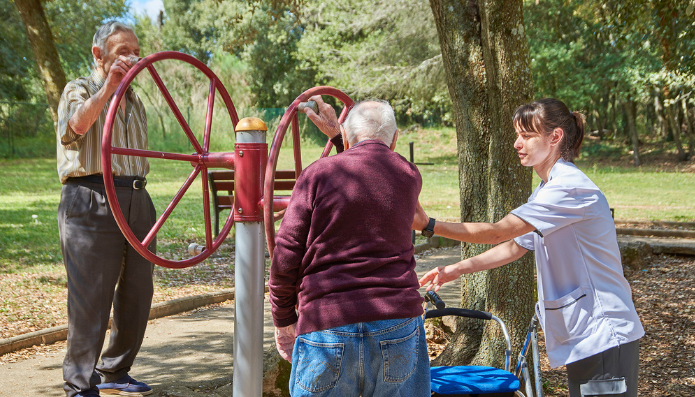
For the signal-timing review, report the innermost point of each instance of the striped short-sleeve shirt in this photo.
(80, 155)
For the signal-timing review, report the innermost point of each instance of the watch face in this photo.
(429, 230)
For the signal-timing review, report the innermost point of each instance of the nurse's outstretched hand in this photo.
(437, 277)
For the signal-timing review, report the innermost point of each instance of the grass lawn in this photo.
(30, 193)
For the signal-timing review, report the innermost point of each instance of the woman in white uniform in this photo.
(585, 303)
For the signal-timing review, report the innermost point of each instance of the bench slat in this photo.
(284, 174)
(283, 185)
(225, 201)
(222, 175)
(228, 186)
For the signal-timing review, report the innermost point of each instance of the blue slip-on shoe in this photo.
(125, 386)
(90, 393)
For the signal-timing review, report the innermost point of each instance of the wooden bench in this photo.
(222, 188)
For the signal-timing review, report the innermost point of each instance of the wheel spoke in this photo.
(174, 108)
(154, 154)
(208, 116)
(206, 209)
(158, 225)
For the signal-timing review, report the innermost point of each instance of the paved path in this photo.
(180, 353)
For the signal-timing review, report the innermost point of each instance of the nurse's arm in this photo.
(507, 228)
(495, 257)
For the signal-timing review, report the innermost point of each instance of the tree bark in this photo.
(603, 114)
(614, 115)
(486, 60)
(660, 128)
(675, 129)
(630, 111)
(276, 373)
(45, 53)
(689, 122)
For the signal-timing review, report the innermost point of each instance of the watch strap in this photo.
(429, 230)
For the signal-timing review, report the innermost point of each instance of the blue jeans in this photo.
(381, 358)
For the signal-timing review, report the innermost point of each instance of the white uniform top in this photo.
(585, 303)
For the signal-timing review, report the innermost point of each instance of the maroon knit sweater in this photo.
(344, 253)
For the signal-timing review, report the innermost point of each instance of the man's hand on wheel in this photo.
(325, 120)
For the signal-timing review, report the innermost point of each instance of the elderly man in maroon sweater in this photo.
(343, 287)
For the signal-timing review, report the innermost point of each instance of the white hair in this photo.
(371, 119)
(107, 30)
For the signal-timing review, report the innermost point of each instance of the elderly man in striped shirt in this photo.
(102, 269)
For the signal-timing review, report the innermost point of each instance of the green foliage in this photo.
(15, 61)
(597, 54)
(73, 24)
(26, 128)
(592, 54)
(367, 49)
(381, 49)
(277, 75)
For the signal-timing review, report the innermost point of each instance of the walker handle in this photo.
(434, 298)
(452, 311)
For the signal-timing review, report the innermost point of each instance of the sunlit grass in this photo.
(31, 187)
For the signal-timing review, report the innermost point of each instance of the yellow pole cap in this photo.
(251, 124)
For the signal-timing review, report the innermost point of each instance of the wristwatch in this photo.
(429, 230)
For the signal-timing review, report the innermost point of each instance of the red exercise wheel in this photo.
(201, 160)
(277, 203)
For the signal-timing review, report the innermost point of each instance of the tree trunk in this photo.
(631, 127)
(689, 122)
(486, 60)
(660, 127)
(45, 54)
(675, 129)
(614, 115)
(603, 114)
(276, 373)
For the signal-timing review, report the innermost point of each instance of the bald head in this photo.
(373, 119)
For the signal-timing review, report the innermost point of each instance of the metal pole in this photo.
(249, 264)
(536, 361)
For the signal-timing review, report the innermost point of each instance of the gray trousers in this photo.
(613, 373)
(103, 270)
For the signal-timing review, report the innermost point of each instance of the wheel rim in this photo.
(270, 203)
(201, 159)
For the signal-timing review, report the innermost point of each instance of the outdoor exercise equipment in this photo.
(201, 160)
(254, 186)
(278, 203)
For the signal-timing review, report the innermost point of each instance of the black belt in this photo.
(133, 182)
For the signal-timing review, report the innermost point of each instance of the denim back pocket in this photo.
(400, 357)
(318, 365)
(571, 316)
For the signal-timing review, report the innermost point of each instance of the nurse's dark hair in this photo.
(544, 115)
